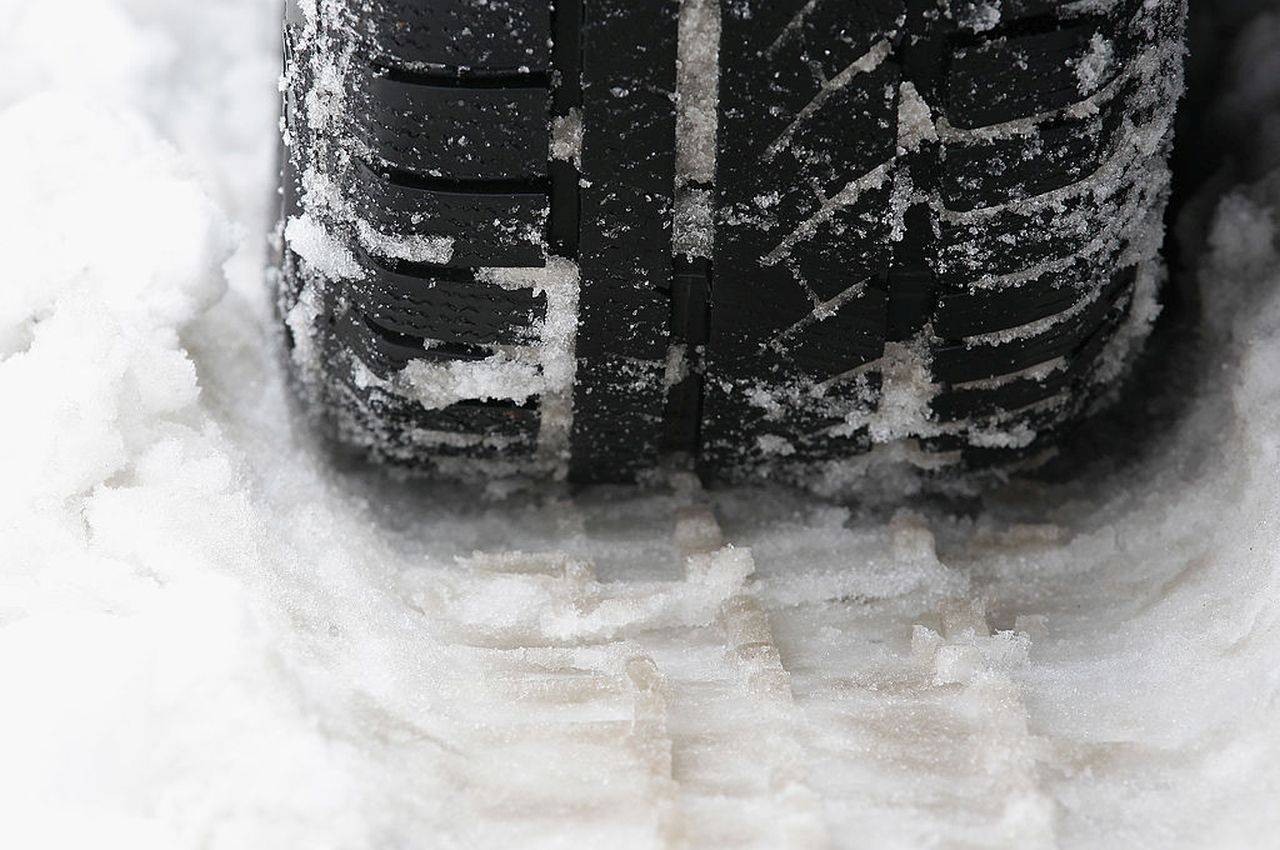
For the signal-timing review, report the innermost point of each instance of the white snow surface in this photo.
(213, 635)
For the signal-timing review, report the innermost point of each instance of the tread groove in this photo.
(463, 78)
(455, 186)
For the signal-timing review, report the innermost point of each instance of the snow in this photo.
(1092, 69)
(415, 249)
(566, 138)
(213, 634)
(558, 282)
(498, 376)
(697, 122)
(320, 249)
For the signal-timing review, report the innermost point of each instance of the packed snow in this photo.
(216, 634)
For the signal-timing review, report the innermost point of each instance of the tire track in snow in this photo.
(665, 701)
(819, 703)
(916, 729)
(749, 777)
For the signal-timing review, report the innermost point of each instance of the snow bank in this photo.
(214, 635)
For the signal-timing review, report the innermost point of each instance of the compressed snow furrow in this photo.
(666, 662)
(741, 681)
(902, 690)
(600, 698)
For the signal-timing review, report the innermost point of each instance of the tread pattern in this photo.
(443, 150)
(999, 235)
(963, 193)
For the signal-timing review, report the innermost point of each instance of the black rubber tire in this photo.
(931, 225)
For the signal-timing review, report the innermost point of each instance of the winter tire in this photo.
(774, 238)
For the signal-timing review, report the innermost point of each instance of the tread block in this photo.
(954, 405)
(951, 405)
(1019, 76)
(490, 133)
(1013, 239)
(628, 170)
(491, 226)
(851, 246)
(752, 316)
(495, 35)
(623, 400)
(986, 173)
(628, 75)
(851, 133)
(959, 362)
(747, 437)
(386, 351)
(787, 147)
(971, 312)
(512, 428)
(805, 43)
(430, 302)
(851, 337)
(478, 417)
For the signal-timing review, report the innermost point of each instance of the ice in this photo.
(214, 634)
(904, 404)
(558, 281)
(697, 90)
(980, 15)
(693, 223)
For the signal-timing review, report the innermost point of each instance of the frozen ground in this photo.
(210, 636)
